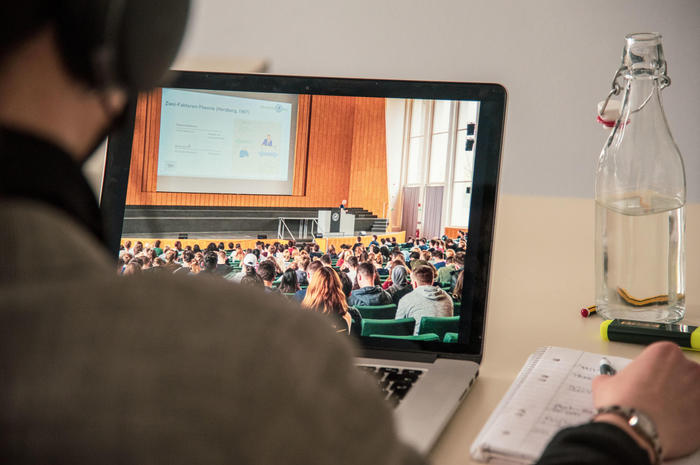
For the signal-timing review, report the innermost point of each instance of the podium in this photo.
(336, 223)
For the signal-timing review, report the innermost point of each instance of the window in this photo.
(437, 154)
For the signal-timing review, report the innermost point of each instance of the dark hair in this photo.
(326, 259)
(210, 260)
(196, 248)
(157, 243)
(366, 269)
(457, 291)
(178, 245)
(414, 256)
(221, 246)
(437, 253)
(347, 284)
(187, 256)
(424, 274)
(252, 280)
(266, 270)
(289, 283)
(211, 247)
(230, 245)
(352, 261)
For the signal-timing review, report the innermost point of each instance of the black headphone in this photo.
(122, 43)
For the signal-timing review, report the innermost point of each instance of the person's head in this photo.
(347, 284)
(437, 255)
(211, 258)
(374, 237)
(398, 274)
(156, 244)
(325, 293)
(252, 280)
(326, 259)
(365, 274)
(459, 260)
(178, 245)
(151, 254)
(422, 275)
(313, 267)
(159, 262)
(266, 271)
(457, 291)
(170, 256)
(289, 282)
(414, 256)
(195, 248)
(187, 256)
(317, 248)
(133, 267)
(359, 239)
(352, 262)
(305, 262)
(221, 257)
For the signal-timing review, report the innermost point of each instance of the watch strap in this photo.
(640, 422)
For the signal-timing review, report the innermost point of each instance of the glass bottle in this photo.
(640, 197)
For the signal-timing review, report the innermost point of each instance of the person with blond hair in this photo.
(325, 295)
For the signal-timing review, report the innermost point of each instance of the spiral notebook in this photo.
(552, 391)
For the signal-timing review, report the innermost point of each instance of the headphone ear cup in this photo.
(151, 34)
(125, 43)
(80, 27)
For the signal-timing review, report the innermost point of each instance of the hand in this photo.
(665, 385)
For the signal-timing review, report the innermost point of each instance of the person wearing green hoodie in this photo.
(425, 299)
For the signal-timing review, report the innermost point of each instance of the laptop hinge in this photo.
(399, 355)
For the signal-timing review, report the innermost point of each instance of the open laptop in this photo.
(242, 158)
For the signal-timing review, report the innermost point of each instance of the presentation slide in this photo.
(215, 142)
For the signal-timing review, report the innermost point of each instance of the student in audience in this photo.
(222, 267)
(413, 258)
(310, 270)
(368, 293)
(332, 252)
(252, 280)
(425, 299)
(399, 284)
(132, 268)
(352, 262)
(379, 262)
(437, 259)
(209, 261)
(459, 284)
(447, 275)
(289, 283)
(248, 265)
(326, 260)
(170, 263)
(384, 248)
(187, 258)
(325, 295)
(267, 272)
(374, 240)
(156, 247)
(316, 253)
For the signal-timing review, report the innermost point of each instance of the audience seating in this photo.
(377, 312)
(457, 308)
(439, 325)
(401, 327)
(430, 337)
(450, 337)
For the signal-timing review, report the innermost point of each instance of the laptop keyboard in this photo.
(393, 382)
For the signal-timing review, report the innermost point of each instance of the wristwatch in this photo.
(640, 423)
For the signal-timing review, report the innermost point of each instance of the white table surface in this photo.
(542, 275)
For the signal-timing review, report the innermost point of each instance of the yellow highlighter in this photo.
(646, 332)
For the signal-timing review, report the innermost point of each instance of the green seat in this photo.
(450, 337)
(402, 327)
(457, 308)
(289, 294)
(439, 325)
(377, 312)
(430, 337)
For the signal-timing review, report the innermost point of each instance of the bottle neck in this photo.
(639, 93)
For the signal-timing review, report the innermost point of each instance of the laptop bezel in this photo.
(492, 98)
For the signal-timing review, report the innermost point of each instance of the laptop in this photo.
(241, 159)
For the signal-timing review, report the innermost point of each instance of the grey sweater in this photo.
(425, 301)
(156, 368)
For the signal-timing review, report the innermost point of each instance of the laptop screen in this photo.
(388, 185)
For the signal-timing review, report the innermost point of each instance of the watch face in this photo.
(335, 216)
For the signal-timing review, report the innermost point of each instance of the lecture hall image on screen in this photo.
(217, 178)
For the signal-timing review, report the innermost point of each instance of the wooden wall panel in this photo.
(340, 155)
(368, 180)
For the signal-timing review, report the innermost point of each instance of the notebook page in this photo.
(554, 394)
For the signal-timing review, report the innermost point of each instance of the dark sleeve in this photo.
(593, 444)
